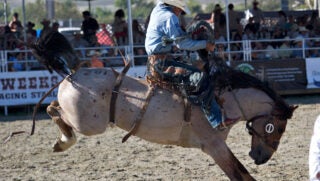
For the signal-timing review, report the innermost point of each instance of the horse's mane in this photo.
(226, 77)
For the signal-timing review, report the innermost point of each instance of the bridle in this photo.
(269, 129)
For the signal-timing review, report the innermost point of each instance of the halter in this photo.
(269, 128)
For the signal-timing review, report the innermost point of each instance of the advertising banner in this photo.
(280, 74)
(313, 72)
(19, 88)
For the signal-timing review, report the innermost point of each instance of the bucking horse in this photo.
(90, 99)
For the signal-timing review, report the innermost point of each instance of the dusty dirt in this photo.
(104, 157)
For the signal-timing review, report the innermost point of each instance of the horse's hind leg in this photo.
(67, 138)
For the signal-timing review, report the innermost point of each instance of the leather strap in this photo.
(115, 92)
(138, 120)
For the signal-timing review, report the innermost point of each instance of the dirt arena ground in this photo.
(104, 157)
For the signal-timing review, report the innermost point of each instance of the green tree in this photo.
(140, 8)
(103, 15)
(194, 7)
(66, 10)
(35, 12)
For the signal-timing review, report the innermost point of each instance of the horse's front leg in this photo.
(67, 138)
(226, 160)
(214, 144)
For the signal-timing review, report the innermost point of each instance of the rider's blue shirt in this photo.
(164, 23)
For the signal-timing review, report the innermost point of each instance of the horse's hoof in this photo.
(61, 146)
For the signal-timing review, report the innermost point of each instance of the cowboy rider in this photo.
(164, 25)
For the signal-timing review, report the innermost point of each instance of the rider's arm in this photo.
(183, 42)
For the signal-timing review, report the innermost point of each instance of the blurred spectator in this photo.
(298, 42)
(271, 52)
(304, 33)
(30, 29)
(251, 26)
(78, 42)
(9, 42)
(15, 61)
(55, 26)
(315, 51)
(258, 52)
(46, 25)
(248, 34)
(120, 27)
(138, 39)
(234, 18)
(104, 36)
(95, 58)
(15, 25)
(282, 20)
(277, 35)
(257, 13)
(219, 39)
(138, 34)
(291, 27)
(89, 27)
(284, 50)
(219, 20)
(237, 46)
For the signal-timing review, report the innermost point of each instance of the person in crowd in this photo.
(251, 26)
(95, 61)
(248, 34)
(271, 52)
(78, 43)
(138, 39)
(258, 52)
(234, 19)
(282, 20)
(219, 20)
(30, 25)
(291, 27)
(315, 51)
(138, 33)
(285, 51)
(10, 39)
(236, 46)
(15, 61)
(120, 27)
(278, 34)
(297, 45)
(45, 25)
(104, 36)
(55, 26)
(16, 25)
(89, 27)
(314, 152)
(258, 16)
(164, 34)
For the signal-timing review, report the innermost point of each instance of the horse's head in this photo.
(266, 131)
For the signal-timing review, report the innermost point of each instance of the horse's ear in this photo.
(292, 108)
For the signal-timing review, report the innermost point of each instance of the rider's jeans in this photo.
(213, 115)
